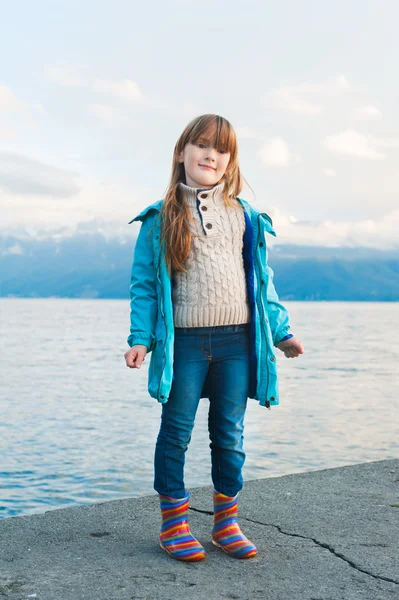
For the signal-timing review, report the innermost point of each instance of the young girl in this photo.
(204, 304)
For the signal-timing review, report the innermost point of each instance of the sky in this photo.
(93, 96)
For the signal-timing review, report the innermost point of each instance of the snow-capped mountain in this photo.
(93, 259)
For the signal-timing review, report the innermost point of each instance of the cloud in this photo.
(352, 143)
(291, 101)
(275, 152)
(15, 249)
(118, 92)
(373, 233)
(384, 143)
(246, 132)
(304, 99)
(39, 110)
(22, 117)
(6, 134)
(66, 75)
(8, 101)
(27, 177)
(115, 206)
(103, 112)
(333, 86)
(126, 89)
(368, 112)
(113, 203)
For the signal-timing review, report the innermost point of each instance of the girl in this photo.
(204, 304)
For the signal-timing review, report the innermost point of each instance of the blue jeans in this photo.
(222, 354)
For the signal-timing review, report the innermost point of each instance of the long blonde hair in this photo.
(175, 213)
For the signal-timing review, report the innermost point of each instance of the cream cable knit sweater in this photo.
(213, 291)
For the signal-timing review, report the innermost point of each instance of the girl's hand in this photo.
(135, 356)
(291, 348)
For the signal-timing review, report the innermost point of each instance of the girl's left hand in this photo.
(291, 348)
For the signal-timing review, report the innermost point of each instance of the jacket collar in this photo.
(155, 206)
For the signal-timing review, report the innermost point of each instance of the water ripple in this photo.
(78, 427)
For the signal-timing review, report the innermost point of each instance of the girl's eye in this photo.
(204, 145)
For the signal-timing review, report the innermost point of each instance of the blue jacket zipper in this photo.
(164, 341)
(260, 280)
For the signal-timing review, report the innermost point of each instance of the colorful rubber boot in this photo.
(175, 537)
(226, 532)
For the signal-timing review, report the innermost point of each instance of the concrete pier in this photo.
(323, 535)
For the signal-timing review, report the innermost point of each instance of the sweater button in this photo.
(208, 225)
(203, 195)
(204, 208)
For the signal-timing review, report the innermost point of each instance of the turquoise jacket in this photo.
(151, 306)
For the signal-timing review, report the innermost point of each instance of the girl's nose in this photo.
(211, 154)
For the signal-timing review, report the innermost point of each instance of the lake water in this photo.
(77, 426)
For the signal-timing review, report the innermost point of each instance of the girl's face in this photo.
(204, 165)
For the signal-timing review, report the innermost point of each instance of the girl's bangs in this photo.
(223, 139)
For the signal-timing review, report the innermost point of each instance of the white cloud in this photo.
(384, 143)
(333, 86)
(23, 176)
(127, 89)
(329, 172)
(6, 134)
(73, 156)
(15, 249)
(39, 110)
(116, 205)
(66, 75)
(368, 112)
(352, 143)
(190, 110)
(304, 99)
(374, 233)
(113, 203)
(246, 132)
(275, 153)
(8, 101)
(103, 112)
(290, 100)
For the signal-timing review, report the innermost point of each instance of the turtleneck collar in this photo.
(190, 194)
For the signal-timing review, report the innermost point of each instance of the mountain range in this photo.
(93, 261)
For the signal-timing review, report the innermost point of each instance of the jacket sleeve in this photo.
(278, 314)
(143, 291)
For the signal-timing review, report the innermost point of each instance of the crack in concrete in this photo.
(321, 544)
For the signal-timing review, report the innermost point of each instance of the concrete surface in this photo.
(322, 535)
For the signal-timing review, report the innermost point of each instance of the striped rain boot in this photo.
(175, 537)
(226, 532)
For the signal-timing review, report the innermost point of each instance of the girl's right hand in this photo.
(135, 356)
